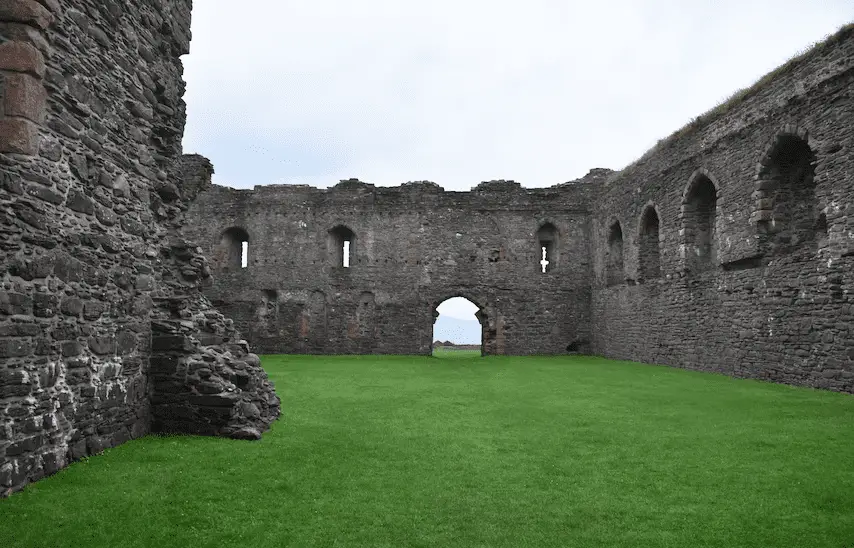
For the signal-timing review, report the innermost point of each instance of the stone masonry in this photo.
(105, 334)
(729, 247)
(412, 247)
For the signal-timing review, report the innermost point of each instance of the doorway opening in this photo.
(457, 329)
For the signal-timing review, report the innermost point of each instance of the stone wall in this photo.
(755, 241)
(413, 246)
(727, 248)
(104, 333)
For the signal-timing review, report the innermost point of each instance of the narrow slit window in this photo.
(233, 250)
(547, 247)
(341, 250)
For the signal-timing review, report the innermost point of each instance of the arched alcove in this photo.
(699, 221)
(457, 328)
(787, 212)
(614, 266)
(649, 251)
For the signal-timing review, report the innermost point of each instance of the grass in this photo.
(481, 452)
(445, 352)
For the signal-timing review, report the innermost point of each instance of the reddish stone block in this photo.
(21, 57)
(19, 136)
(25, 11)
(20, 32)
(25, 97)
(52, 5)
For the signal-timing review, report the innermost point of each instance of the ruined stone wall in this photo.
(413, 247)
(770, 295)
(104, 333)
(727, 248)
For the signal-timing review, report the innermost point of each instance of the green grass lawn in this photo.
(491, 452)
(455, 353)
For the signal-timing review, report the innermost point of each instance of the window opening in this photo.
(341, 246)
(547, 237)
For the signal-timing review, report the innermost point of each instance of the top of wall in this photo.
(412, 188)
(795, 78)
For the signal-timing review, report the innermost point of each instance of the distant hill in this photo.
(456, 330)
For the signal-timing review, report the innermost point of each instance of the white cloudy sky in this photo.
(461, 91)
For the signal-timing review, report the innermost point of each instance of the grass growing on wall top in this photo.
(494, 452)
(740, 96)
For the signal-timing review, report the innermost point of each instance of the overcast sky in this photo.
(462, 91)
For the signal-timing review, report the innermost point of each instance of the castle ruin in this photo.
(728, 248)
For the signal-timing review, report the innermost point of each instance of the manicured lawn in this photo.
(490, 452)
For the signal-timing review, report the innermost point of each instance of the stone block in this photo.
(22, 57)
(24, 97)
(19, 136)
(126, 342)
(71, 306)
(29, 12)
(103, 345)
(15, 303)
(70, 348)
(45, 305)
(170, 342)
(761, 216)
(77, 201)
(221, 400)
(93, 310)
(20, 32)
(27, 445)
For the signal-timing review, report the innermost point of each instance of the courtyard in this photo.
(403, 451)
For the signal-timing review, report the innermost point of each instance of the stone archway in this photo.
(485, 316)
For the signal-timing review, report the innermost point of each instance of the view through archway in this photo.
(457, 331)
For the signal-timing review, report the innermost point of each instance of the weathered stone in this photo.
(25, 11)
(45, 305)
(70, 348)
(125, 342)
(24, 97)
(21, 57)
(71, 306)
(12, 348)
(19, 136)
(103, 345)
(15, 303)
(77, 201)
(44, 193)
(246, 434)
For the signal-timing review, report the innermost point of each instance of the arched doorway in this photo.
(457, 328)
